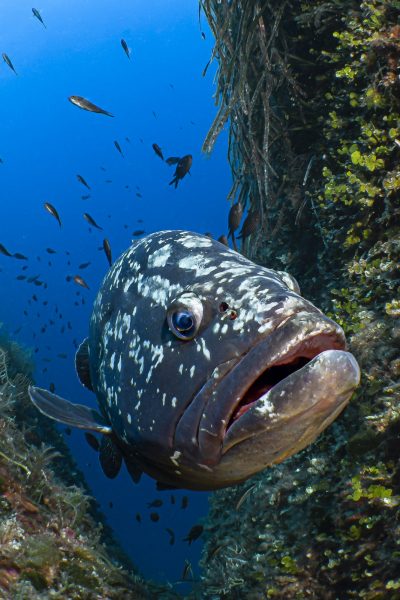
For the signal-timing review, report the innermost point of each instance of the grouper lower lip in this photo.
(221, 407)
(310, 398)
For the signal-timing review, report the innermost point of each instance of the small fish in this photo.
(107, 250)
(158, 150)
(183, 167)
(203, 35)
(118, 147)
(139, 195)
(206, 68)
(87, 105)
(193, 534)
(244, 496)
(234, 218)
(154, 517)
(83, 181)
(172, 160)
(172, 498)
(125, 47)
(84, 265)
(20, 277)
(263, 372)
(155, 504)
(250, 224)
(187, 569)
(184, 502)
(20, 256)
(3, 250)
(37, 14)
(33, 278)
(80, 281)
(52, 387)
(213, 552)
(138, 517)
(8, 62)
(91, 221)
(85, 197)
(171, 536)
(138, 232)
(53, 211)
(51, 251)
(92, 441)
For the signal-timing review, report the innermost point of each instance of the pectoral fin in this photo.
(110, 457)
(134, 470)
(62, 410)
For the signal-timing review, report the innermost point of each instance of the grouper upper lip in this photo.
(242, 380)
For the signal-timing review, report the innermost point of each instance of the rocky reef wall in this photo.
(53, 543)
(312, 94)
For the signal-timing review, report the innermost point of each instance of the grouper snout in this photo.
(283, 393)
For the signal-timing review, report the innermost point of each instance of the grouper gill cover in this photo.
(207, 368)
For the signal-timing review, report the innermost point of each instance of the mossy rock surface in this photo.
(315, 148)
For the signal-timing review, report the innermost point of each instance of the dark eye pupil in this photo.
(183, 321)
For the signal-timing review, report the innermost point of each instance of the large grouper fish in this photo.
(207, 368)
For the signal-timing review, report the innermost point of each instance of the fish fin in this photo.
(161, 486)
(82, 364)
(110, 457)
(174, 180)
(134, 470)
(62, 410)
(173, 160)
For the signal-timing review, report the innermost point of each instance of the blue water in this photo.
(45, 142)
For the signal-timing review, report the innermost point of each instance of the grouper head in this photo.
(207, 368)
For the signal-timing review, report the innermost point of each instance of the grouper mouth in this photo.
(296, 359)
(300, 374)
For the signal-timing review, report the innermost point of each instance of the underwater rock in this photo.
(324, 125)
(50, 544)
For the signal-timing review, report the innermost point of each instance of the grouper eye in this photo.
(184, 316)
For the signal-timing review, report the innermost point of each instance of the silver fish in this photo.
(207, 367)
(87, 105)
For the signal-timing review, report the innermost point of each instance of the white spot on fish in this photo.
(160, 257)
(174, 458)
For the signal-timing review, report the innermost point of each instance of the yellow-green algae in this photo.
(52, 542)
(312, 91)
